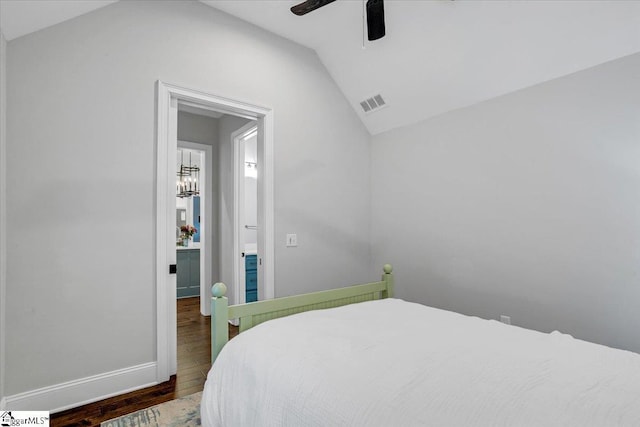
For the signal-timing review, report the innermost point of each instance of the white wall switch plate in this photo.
(505, 319)
(292, 240)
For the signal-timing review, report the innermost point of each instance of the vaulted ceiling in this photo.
(438, 55)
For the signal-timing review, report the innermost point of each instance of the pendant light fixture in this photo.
(188, 179)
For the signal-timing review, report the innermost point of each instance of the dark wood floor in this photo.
(194, 347)
(194, 355)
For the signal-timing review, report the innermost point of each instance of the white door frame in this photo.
(238, 209)
(168, 96)
(207, 233)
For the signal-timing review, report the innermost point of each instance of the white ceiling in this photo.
(441, 55)
(438, 55)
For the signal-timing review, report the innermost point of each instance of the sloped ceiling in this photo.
(438, 55)
(441, 55)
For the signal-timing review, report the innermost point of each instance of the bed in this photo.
(356, 356)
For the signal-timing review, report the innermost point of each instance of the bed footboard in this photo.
(254, 313)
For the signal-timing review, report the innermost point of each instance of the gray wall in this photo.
(526, 205)
(3, 216)
(81, 175)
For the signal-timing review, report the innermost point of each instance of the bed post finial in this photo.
(219, 290)
(387, 277)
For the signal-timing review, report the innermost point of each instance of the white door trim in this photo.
(165, 284)
(165, 190)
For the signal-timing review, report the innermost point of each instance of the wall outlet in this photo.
(292, 240)
(505, 319)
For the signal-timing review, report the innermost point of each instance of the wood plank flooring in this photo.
(194, 350)
(194, 355)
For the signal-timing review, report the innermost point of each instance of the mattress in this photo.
(395, 363)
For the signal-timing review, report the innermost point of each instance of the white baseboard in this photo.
(79, 392)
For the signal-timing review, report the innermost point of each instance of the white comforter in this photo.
(394, 363)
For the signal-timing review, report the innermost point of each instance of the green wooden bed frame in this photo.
(254, 313)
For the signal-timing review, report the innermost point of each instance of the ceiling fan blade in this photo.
(309, 6)
(375, 19)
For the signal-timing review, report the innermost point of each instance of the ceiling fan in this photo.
(375, 14)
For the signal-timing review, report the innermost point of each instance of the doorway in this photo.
(246, 283)
(167, 102)
(195, 209)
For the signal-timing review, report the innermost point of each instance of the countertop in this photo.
(251, 249)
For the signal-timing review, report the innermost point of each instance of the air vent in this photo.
(372, 104)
